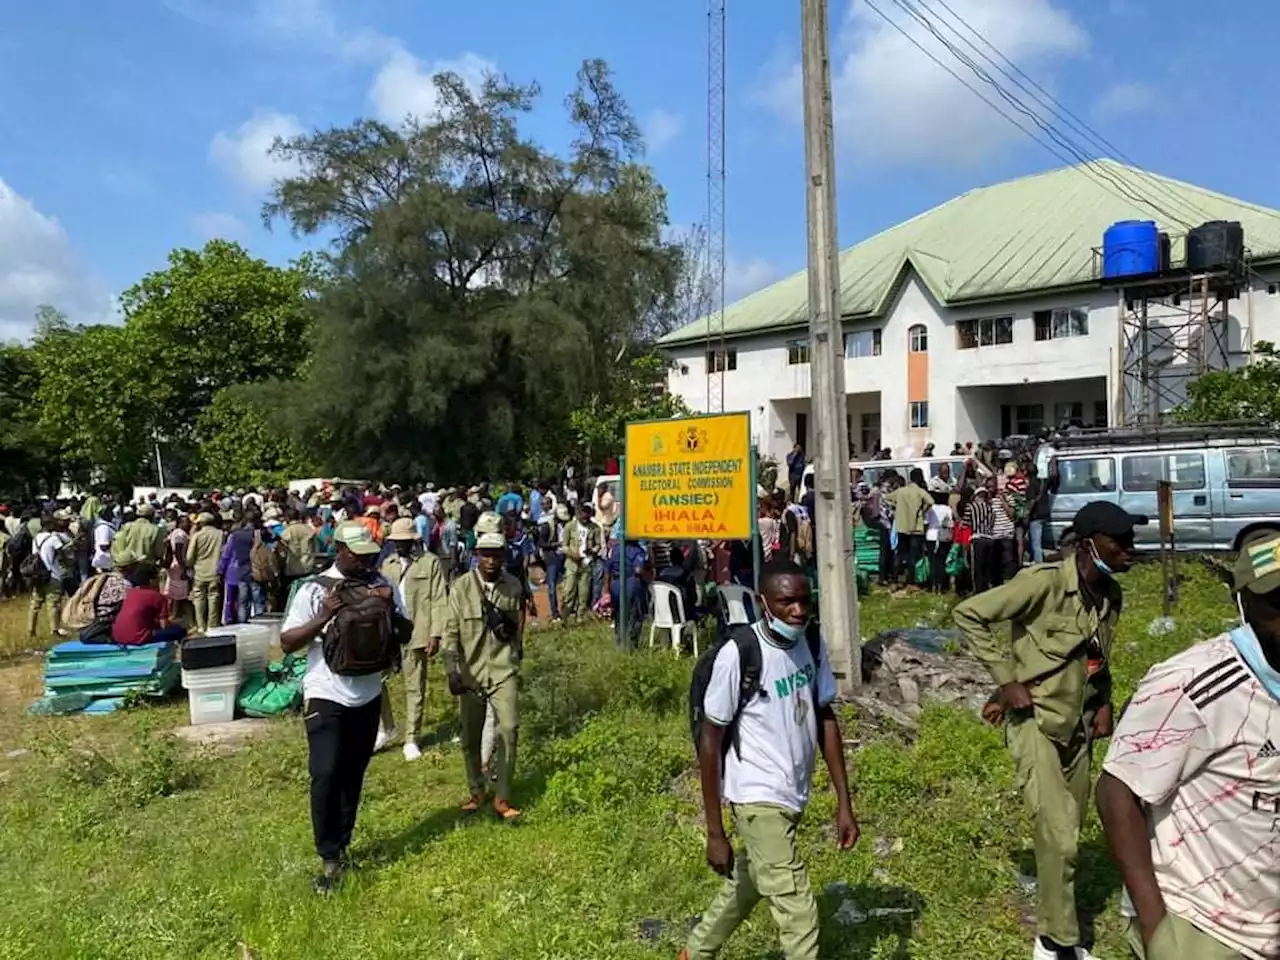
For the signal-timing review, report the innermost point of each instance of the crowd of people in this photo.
(377, 579)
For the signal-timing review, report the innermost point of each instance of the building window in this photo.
(719, 361)
(1100, 413)
(871, 432)
(1070, 413)
(918, 339)
(862, 343)
(919, 414)
(1028, 418)
(983, 332)
(1061, 323)
(798, 351)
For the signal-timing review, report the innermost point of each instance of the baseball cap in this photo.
(1257, 569)
(403, 529)
(356, 538)
(1106, 518)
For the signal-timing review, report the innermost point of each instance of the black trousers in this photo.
(938, 551)
(994, 562)
(910, 550)
(340, 742)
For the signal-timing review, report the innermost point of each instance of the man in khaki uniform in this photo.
(581, 546)
(1054, 691)
(911, 503)
(299, 539)
(203, 553)
(139, 538)
(420, 579)
(482, 650)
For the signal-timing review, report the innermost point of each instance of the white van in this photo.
(873, 470)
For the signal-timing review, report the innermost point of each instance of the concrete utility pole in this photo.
(833, 512)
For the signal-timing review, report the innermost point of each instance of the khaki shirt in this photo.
(910, 507)
(299, 541)
(203, 552)
(594, 538)
(469, 646)
(1049, 652)
(138, 540)
(421, 583)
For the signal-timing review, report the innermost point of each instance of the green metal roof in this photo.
(1026, 235)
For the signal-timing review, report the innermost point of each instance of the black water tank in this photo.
(1215, 245)
(1166, 251)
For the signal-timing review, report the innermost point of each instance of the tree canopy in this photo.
(1245, 393)
(480, 305)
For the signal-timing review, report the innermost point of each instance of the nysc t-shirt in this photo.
(778, 729)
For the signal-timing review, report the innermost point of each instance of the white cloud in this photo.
(743, 277)
(215, 225)
(272, 21)
(243, 154)
(403, 87)
(894, 105)
(38, 266)
(1125, 99)
(661, 127)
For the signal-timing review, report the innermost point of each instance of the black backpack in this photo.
(20, 544)
(750, 664)
(361, 637)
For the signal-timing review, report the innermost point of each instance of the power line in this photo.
(1016, 75)
(1049, 129)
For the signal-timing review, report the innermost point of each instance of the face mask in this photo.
(787, 631)
(1098, 563)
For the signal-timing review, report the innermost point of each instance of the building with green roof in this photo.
(986, 317)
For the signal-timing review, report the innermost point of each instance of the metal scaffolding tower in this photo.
(717, 355)
(1173, 329)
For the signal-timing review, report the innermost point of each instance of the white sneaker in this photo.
(412, 751)
(384, 737)
(1042, 952)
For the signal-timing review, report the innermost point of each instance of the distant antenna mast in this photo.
(717, 355)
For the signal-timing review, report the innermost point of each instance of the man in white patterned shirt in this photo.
(1190, 791)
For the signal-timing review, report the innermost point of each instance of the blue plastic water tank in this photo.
(1130, 247)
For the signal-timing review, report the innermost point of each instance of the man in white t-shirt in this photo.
(50, 589)
(1190, 790)
(769, 742)
(340, 712)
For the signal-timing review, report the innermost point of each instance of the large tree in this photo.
(482, 287)
(213, 319)
(1246, 393)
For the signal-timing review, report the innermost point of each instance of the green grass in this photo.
(138, 848)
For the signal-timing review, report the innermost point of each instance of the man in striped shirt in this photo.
(1190, 790)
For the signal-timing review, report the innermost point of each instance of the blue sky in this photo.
(132, 127)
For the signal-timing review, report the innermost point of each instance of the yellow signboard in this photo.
(690, 478)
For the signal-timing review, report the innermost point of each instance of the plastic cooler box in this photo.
(211, 693)
(272, 620)
(253, 642)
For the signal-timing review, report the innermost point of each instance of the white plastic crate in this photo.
(253, 643)
(211, 693)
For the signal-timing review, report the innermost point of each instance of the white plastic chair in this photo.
(739, 604)
(669, 614)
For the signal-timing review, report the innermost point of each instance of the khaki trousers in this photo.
(415, 664)
(504, 700)
(1054, 782)
(1177, 939)
(768, 867)
(49, 593)
(206, 597)
(575, 588)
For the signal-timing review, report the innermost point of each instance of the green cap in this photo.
(1257, 568)
(356, 538)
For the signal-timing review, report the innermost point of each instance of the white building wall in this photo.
(966, 387)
